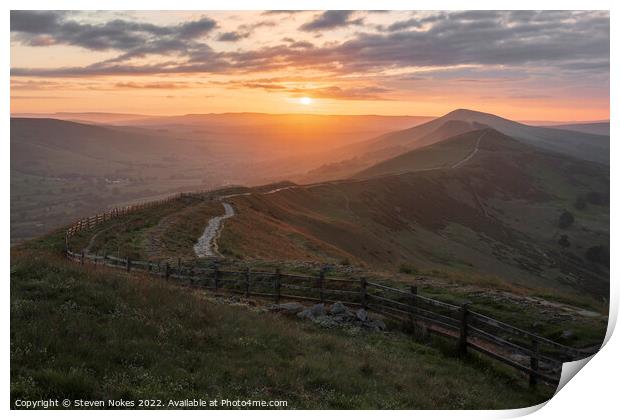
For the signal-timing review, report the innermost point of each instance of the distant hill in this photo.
(600, 128)
(360, 156)
(496, 215)
(62, 169)
(442, 154)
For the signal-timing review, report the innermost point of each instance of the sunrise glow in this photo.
(354, 62)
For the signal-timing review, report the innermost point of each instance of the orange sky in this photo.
(521, 65)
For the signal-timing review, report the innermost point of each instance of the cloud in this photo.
(232, 36)
(39, 28)
(325, 92)
(331, 19)
(515, 42)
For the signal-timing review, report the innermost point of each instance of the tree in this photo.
(566, 219)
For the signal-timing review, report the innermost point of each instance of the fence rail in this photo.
(498, 340)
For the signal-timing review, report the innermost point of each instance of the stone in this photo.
(290, 308)
(318, 310)
(338, 308)
(361, 315)
(326, 322)
(306, 314)
(376, 325)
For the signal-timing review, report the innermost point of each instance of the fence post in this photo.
(247, 282)
(414, 293)
(128, 264)
(534, 362)
(82, 258)
(179, 264)
(321, 281)
(167, 271)
(276, 285)
(463, 330)
(216, 277)
(148, 264)
(363, 293)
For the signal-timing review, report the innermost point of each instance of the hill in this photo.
(600, 128)
(79, 333)
(360, 156)
(499, 214)
(62, 170)
(443, 154)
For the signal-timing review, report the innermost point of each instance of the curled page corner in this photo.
(569, 370)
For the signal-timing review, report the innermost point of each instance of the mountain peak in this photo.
(467, 114)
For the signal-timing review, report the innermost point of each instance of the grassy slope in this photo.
(497, 216)
(79, 333)
(442, 154)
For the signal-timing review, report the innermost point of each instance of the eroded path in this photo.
(207, 244)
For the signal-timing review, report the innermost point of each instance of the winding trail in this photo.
(471, 155)
(207, 243)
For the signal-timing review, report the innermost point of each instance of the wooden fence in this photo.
(536, 356)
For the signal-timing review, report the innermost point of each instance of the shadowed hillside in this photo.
(498, 214)
(361, 156)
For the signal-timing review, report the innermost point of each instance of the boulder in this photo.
(306, 314)
(362, 315)
(338, 308)
(318, 310)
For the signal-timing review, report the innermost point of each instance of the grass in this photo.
(81, 333)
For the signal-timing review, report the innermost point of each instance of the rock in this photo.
(306, 314)
(318, 310)
(362, 315)
(376, 325)
(338, 308)
(291, 308)
(566, 334)
(326, 322)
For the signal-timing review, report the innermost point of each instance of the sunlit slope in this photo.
(360, 156)
(444, 154)
(368, 153)
(496, 215)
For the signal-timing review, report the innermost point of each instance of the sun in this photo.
(305, 100)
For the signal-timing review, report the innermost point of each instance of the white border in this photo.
(591, 395)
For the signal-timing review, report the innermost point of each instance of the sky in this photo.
(525, 65)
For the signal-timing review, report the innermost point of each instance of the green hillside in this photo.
(81, 333)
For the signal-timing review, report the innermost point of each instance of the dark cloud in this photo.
(232, 36)
(38, 28)
(543, 42)
(331, 19)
